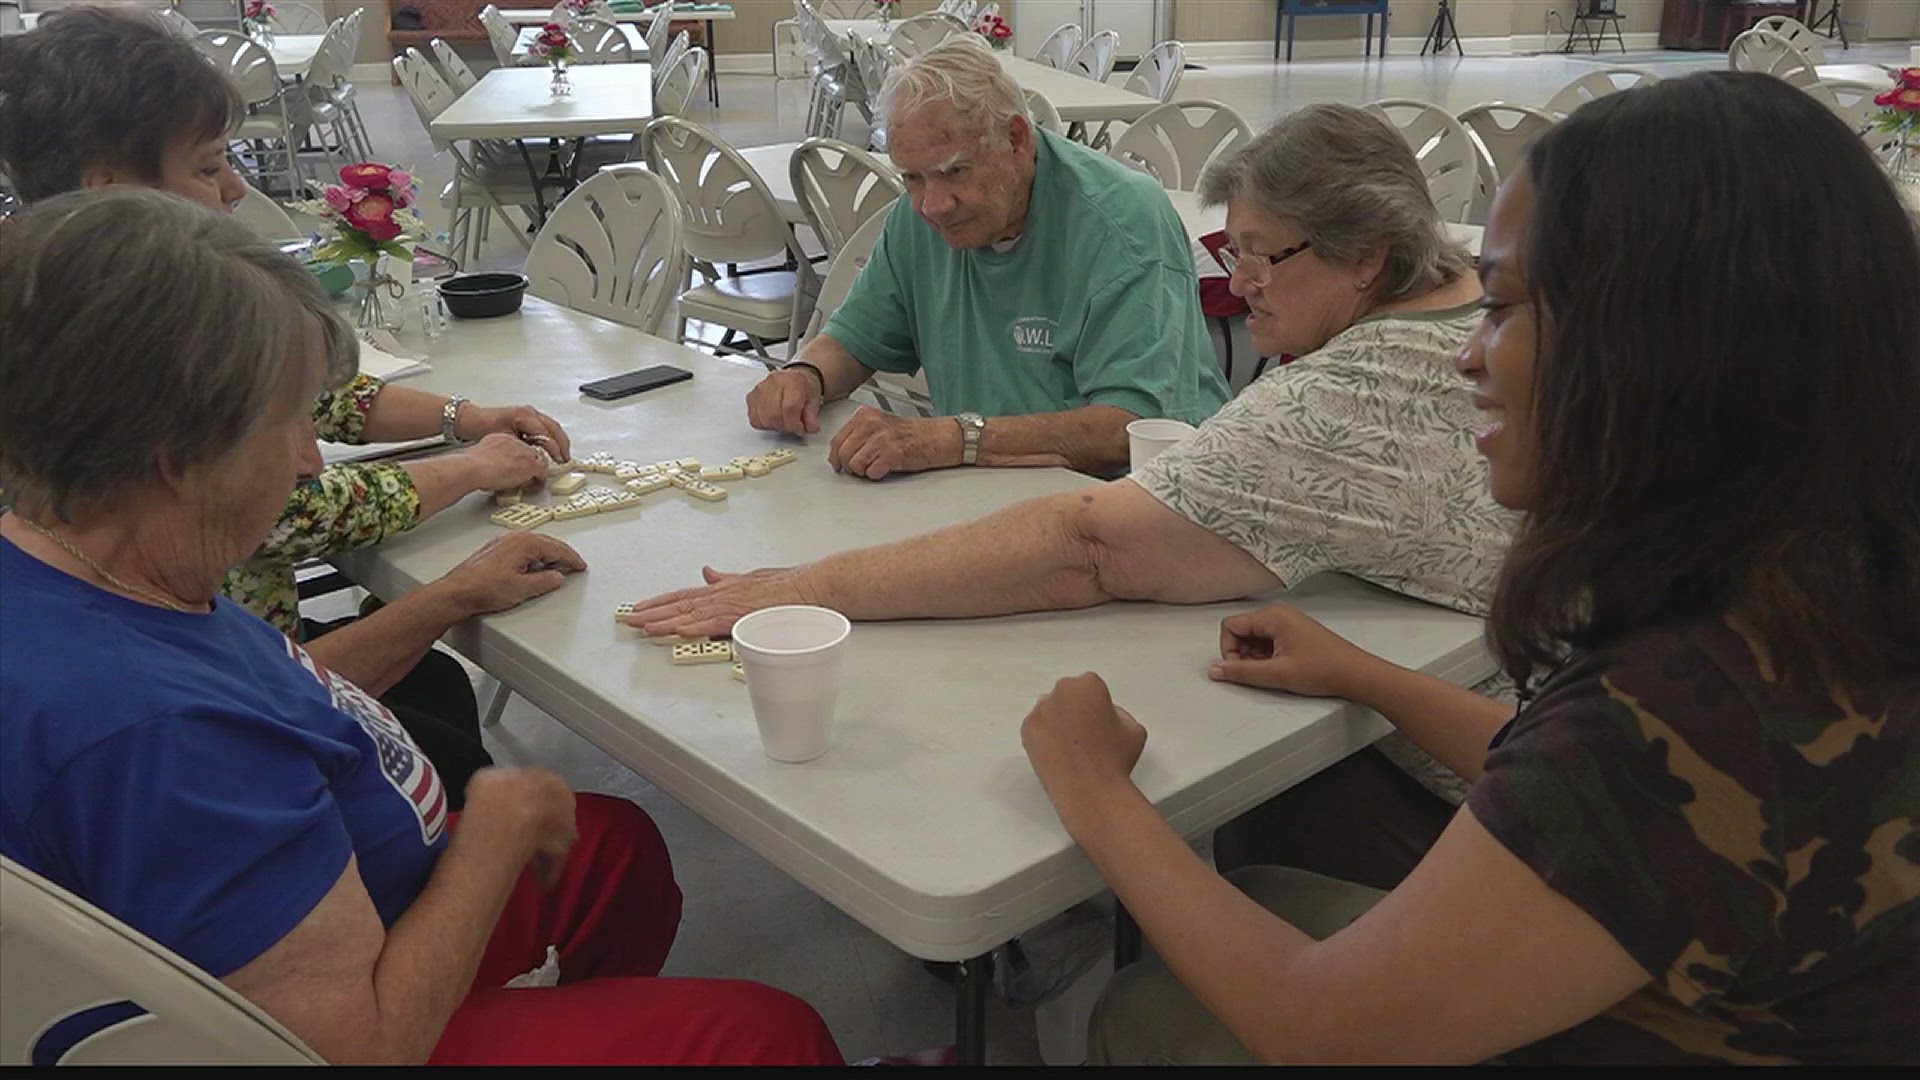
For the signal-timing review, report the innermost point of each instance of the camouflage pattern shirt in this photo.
(1755, 848)
(344, 508)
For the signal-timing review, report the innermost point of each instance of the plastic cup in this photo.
(1147, 439)
(792, 657)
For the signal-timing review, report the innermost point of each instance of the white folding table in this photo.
(924, 821)
(705, 13)
(517, 104)
(293, 53)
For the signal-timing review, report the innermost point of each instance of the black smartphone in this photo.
(633, 382)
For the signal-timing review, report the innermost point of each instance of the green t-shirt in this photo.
(1095, 304)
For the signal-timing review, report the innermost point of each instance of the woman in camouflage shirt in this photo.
(1699, 843)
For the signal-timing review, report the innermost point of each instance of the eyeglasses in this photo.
(1259, 267)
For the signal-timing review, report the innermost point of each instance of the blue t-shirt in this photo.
(199, 776)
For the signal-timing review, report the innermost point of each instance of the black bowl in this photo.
(483, 296)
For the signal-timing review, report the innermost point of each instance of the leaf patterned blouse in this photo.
(1357, 458)
(346, 507)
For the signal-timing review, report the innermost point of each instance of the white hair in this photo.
(962, 71)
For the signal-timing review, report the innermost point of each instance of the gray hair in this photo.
(94, 87)
(1350, 183)
(138, 328)
(962, 71)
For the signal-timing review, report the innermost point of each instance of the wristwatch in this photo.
(971, 426)
(448, 413)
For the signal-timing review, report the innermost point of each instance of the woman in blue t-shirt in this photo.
(1699, 843)
(182, 764)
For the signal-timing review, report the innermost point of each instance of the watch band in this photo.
(448, 414)
(972, 426)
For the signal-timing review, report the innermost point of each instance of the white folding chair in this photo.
(731, 218)
(485, 179)
(1157, 75)
(1797, 35)
(1501, 134)
(501, 34)
(789, 52)
(922, 32)
(830, 90)
(1596, 84)
(1041, 111)
(1443, 149)
(178, 22)
(265, 217)
(293, 17)
(1772, 54)
(1094, 58)
(840, 186)
(1175, 143)
(615, 248)
(659, 29)
(458, 74)
(598, 41)
(1060, 45)
(269, 121)
(681, 42)
(80, 987)
(673, 95)
(871, 62)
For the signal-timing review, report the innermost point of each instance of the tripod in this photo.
(1443, 32)
(1829, 24)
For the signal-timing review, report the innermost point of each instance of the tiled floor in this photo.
(744, 918)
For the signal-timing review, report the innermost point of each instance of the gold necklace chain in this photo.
(102, 571)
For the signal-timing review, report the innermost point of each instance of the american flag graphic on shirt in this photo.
(401, 762)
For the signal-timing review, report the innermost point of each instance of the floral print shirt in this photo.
(346, 507)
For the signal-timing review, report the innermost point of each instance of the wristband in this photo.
(817, 373)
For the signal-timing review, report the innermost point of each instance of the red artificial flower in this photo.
(1885, 97)
(1907, 100)
(373, 215)
(368, 176)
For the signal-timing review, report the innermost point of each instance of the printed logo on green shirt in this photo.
(1034, 334)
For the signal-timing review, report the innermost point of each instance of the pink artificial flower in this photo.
(1910, 78)
(399, 178)
(337, 197)
(373, 215)
(368, 175)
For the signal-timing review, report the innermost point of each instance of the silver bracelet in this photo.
(448, 413)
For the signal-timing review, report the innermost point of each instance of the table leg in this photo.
(1127, 942)
(533, 177)
(1366, 41)
(970, 997)
(713, 68)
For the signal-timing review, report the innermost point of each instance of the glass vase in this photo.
(382, 296)
(562, 86)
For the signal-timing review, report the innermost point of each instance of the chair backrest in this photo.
(178, 22)
(1853, 102)
(1094, 58)
(331, 64)
(1158, 73)
(659, 28)
(1174, 143)
(264, 216)
(80, 987)
(601, 9)
(920, 33)
(615, 247)
(731, 215)
(681, 42)
(1797, 34)
(1501, 134)
(429, 92)
(249, 66)
(459, 75)
(1442, 147)
(293, 17)
(600, 42)
(963, 9)
(839, 187)
(1772, 54)
(1060, 45)
(1596, 84)
(872, 61)
(673, 95)
(501, 36)
(1040, 110)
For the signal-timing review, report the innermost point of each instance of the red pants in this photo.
(612, 917)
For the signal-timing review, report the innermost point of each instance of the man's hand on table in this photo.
(1081, 744)
(523, 422)
(713, 608)
(787, 401)
(876, 445)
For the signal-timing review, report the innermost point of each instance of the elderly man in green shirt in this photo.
(1046, 290)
